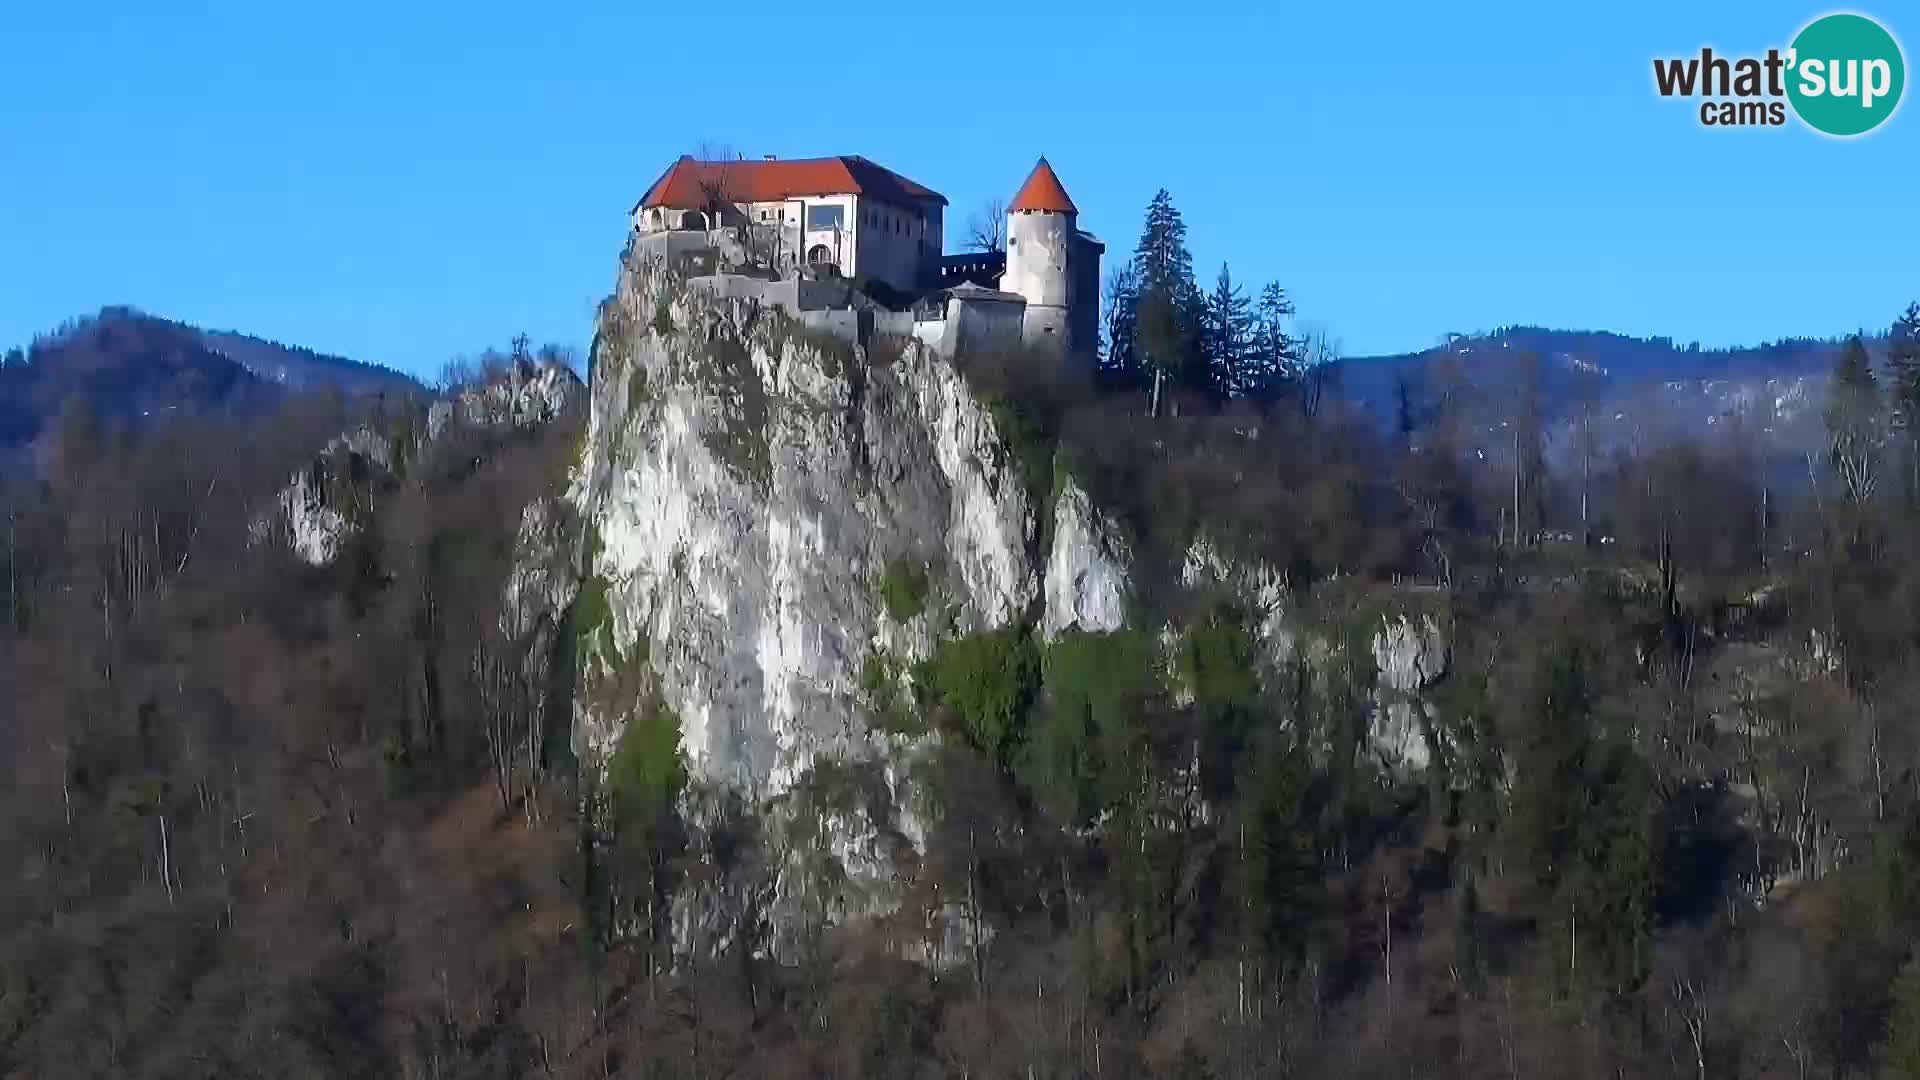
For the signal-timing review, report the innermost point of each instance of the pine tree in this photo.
(1229, 338)
(1903, 363)
(1168, 301)
(1276, 354)
(1854, 419)
(1271, 853)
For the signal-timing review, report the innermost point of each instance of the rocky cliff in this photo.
(780, 524)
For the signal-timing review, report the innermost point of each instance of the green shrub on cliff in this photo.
(1097, 690)
(903, 590)
(983, 685)
(646, 774)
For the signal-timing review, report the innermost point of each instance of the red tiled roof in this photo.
(681, 186)
(1042, 191)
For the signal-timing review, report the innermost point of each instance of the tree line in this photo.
(1164, 331)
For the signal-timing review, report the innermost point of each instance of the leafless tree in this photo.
(987, 228)
(718, 176)
(1319, 355)
(1588, 386)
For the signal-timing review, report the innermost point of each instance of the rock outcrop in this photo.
(1410, 656)
(769, 511)
(321, 506)
(1087, 568)
(750, 486)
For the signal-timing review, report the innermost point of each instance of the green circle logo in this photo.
(1845, 74)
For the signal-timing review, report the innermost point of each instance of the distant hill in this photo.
(293, 366)
(1614, 361)
(1633, 383)
(133, 367)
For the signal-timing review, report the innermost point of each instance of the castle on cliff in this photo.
(788, 231)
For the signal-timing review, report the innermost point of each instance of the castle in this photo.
(783, 231)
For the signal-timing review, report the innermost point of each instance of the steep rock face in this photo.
(315, 513)
(1087, 566)
(750, 486)
(769, 512)
(757, 498)
(542, 581)
(1410, 656)
(1407, 653)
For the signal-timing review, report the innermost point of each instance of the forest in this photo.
(271, 819)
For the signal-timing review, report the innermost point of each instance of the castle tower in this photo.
(1047, 257)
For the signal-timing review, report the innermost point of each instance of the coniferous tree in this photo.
(1855, 418)
(1276, 352)
(1903, 363)
(1229, 337)
(1169, 303)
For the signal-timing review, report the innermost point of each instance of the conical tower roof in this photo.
(1043, 192)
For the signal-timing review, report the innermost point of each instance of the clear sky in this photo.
(408, 180)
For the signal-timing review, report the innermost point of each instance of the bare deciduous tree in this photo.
(987, 228)
(1320, 355)
(719, 179)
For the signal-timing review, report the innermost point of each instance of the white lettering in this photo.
(1848, 87)
(1879, 80)
(1813, 78)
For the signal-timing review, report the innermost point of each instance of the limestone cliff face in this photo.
(750, 487)
(757, 499)
(768, 511)
(1087, 568)
(1411, 656)
(1406, 652)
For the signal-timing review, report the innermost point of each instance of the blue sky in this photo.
(401, 182)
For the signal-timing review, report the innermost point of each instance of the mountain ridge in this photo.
(130, 366)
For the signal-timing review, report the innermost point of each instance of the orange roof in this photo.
(683, 186)
(1042, 191)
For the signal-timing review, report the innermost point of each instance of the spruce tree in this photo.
(1276, 353)
(1903, 364)
(1229, 337)
(1168, 300)
(1854, 419)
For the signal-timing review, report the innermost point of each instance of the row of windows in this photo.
(833, 217)
(818, 217)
